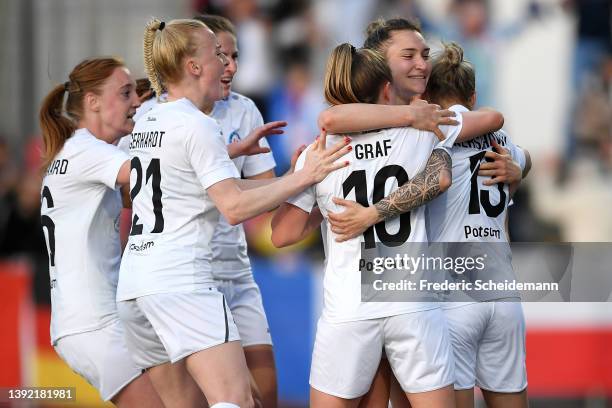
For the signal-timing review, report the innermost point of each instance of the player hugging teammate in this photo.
(183, 307)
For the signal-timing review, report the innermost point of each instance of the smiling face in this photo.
(408, 58)
(116, 104)
(229, 48)
(209, 64)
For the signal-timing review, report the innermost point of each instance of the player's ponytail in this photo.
(452, 77)
(59, 121)
(56, 127)
(165, 45)
(354, 75)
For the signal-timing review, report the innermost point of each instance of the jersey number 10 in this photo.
(357, 180)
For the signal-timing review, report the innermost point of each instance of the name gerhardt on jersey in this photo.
(177, 153)
(379, 162)
(80, 217)
(238, 116)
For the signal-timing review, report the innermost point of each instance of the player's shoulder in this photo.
(238, 101)
(184, 113)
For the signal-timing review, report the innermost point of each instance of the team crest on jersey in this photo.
(234, 137)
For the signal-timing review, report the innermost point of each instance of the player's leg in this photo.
(420, 354)
(464, 398)
(378, 395)
(250, 318)
(222, 374)
(102, 358)
(344, 361)
(175, 386)
(319, 399)
(172, 382)
(260, 361)
(501, 372)
(506, 400)
(466, 325)
(398, 397)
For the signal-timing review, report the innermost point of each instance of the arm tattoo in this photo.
(424, 187)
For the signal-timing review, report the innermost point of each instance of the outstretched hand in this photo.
(250, 145)
(320, 161)
(502, 169)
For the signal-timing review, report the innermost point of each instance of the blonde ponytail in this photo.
(354, 75)
(149, 39)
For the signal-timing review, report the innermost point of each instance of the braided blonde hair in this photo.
(165, 46)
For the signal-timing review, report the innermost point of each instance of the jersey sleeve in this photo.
(306, 199)
(207, 153)
(517, 153)
(101, 162)
(452, 132)
(260, 163)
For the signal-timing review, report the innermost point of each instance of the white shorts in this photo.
(488, 339)
(170, 326)
(244, 300)
(346, 355)
(101, 357)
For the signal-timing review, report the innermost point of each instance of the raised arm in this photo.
(357, 117)
(421, 115)
(425, 186)
(479, 122)
(238, 204)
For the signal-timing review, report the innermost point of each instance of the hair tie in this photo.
(162, 25)
(353, 49)
(66, 85)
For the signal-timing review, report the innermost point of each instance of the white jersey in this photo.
(238, 116)
(379, 161)
(469, 211)
(80, 217)
(177, 154)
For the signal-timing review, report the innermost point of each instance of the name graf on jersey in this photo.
(372, 151)
(146, 139)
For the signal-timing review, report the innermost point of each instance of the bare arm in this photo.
(479, 122)
(356, 117)
(425, 186)
(291, 224)
(238, 204)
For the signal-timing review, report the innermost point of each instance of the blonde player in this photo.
(80, 211)
(351, 334)
(239, 117)
(243, 130)
(178, 325)
(488, 337)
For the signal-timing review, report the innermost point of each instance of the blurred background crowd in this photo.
(546, 64)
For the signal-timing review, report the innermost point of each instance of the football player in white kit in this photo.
(178, 325)
(488, 336)
(238, 117)
(79, 213)
(352, 334)
(243, 130)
